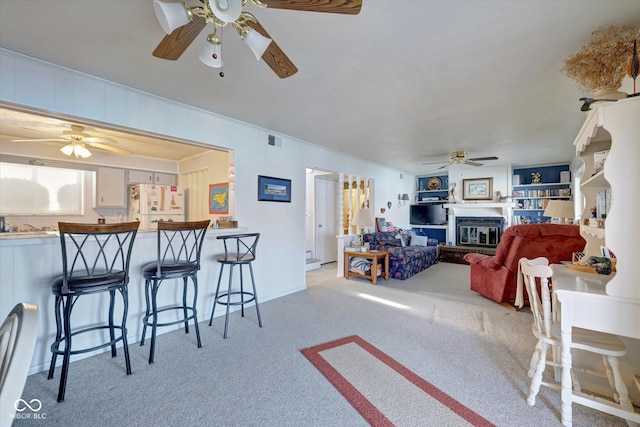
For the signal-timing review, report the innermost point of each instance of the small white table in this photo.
(585, 304)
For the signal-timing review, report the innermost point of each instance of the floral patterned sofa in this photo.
(408, 254)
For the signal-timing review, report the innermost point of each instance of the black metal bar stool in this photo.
(178, 256)
(239, 249)
(95, 259)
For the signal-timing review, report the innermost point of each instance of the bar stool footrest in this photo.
(242, 300)
(146, 321)
(55, 346)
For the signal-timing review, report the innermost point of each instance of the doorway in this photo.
(326, 219)
(321, 227)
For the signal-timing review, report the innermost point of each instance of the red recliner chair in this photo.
(495, 277)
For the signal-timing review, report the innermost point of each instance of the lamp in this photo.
(362, 218)
(211, 54)
(76, 148)
(226, 10)
(171, 15)
(561, 209)
(256, 42)
(402, 199)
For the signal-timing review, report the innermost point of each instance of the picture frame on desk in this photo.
(477, 189)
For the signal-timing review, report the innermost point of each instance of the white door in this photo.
(326, 225)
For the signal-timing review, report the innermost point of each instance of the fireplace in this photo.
(479, 231)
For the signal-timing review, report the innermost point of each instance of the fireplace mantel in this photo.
(477, 205)
(503, 209)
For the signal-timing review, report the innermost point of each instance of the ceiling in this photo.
(17, 125)
(402, 83)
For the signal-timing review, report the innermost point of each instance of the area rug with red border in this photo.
(382, 390)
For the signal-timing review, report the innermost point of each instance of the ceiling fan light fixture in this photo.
(171, 15)
(67, 149)
(77, 149)
(256, 42)
(81, 151)
(211, 55)
(226, 10)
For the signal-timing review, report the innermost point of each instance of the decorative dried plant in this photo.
(603, 61)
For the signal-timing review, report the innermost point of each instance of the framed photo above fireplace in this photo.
(477, 189)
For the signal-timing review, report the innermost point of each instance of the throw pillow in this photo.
(390, 226)
(382, 224)
(404, 238)
(418, 240)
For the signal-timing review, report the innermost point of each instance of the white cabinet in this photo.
(110, 188)
(147, 177)
(165, 178)
(614, 124)
(140, 177)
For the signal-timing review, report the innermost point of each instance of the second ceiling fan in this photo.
(77, 139)
(183, 24)
(461, 158)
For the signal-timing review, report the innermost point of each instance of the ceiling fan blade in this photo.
(93, 139)
(347, 7)
(484, 158)
(275, 58)
(109, 148)
(41, 140)
(444, 166)
(470, 163)
(435, 163)
(174, 44)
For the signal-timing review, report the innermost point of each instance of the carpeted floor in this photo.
(468, 347)
(385, 392)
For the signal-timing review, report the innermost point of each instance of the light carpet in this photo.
(385, 392)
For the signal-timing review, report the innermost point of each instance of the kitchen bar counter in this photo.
(30, 262)
(48, 234)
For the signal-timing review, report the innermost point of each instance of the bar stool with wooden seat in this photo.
(95, 259)
(179, 245)
(609, 346)
(239, 250)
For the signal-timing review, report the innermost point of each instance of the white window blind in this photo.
(40, 190)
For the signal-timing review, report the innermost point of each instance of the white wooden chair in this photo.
(548, 334)
(17, 342)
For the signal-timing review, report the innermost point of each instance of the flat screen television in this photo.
(428, 214)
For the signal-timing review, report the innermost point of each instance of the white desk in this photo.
(585, 304)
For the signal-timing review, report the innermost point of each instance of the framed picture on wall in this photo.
(477, 189)
(272, 189)
(219, 198)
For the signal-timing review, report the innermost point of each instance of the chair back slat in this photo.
(245, 246)
(536, 274)
(92, 251)
(180, 242)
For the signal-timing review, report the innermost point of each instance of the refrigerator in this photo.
(150, 203)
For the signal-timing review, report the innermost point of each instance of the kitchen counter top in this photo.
(32, 237)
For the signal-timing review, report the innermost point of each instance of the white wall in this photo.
(32, 83)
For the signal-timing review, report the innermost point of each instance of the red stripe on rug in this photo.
(362, 404)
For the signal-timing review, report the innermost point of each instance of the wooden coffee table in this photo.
(372, 255)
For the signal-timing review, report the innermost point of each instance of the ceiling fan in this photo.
(460, 158)
(77, 140)
(183, 23)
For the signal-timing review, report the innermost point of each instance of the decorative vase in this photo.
(608, 92)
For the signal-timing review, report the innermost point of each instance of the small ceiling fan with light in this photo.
(183, 24)
(77, 140)
(461, 158)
